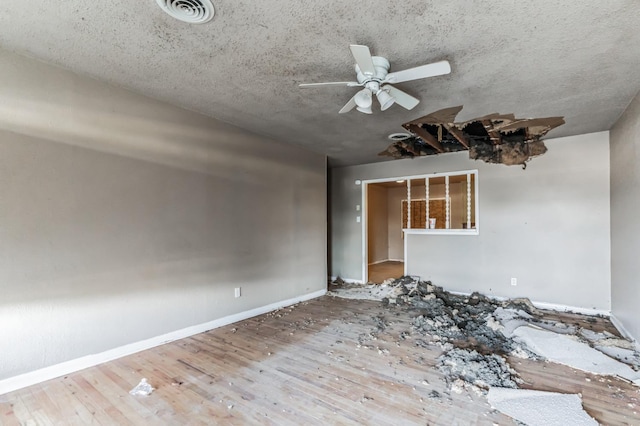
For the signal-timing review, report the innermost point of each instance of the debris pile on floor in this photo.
(464, 366)
(389, 289)
(465, 322)
(477, 333)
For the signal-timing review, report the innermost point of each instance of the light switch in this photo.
(358, 208)
(358, 219)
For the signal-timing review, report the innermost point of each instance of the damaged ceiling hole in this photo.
(494, 138)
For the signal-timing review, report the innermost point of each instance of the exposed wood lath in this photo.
(494, 138)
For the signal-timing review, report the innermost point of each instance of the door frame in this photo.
(365, 219)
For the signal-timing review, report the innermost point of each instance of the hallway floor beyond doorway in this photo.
(378, 272)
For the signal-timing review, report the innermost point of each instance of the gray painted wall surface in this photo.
(625, 226)
(378, 249)
(396, 243)
(102, 249)
(548, 225)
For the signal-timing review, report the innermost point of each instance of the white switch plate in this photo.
(514, 281)
(238, 292)
(358, 219)
(358, 207)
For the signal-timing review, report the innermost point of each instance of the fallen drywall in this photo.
(568, 350)
(537, 408)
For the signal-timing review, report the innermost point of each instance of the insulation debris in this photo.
(142, 389)
(538, 408)
(494, 138)
(481, 371)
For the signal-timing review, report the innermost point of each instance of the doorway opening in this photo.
(384, 235)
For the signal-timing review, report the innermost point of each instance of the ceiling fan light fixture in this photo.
(385, 99)
(364, 110)
(364, 99)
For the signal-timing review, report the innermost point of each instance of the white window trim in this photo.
(474, 231)
(442, 231)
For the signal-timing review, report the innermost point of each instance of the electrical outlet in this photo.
(514, 281)
(358, 219)
(357, 207)
(238, 293)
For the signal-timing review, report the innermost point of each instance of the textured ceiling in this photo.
(578, 59)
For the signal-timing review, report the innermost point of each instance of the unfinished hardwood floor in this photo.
(327, 361)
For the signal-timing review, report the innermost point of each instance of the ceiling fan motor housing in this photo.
(381, 66)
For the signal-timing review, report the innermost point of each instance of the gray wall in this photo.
(378, 241)
(396, 243)
(548, 225)
(123, 218)
(625, 226)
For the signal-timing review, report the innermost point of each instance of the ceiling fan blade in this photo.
(332, 83)
(349, 106)
(424, 71)
(403, 99)
(363, 58)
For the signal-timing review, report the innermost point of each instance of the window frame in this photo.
(421, 231)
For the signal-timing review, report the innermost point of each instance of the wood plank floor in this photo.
(322, 362)
(378, 272)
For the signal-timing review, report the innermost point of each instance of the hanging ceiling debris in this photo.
(494, 138)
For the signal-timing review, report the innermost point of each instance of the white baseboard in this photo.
(623, 330)
(51, 372)
(348, 280)
(575, 309)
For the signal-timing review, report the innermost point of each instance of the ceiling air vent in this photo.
(191, 11)
(399, 136)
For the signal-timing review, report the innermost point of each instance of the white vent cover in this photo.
(399, 136)
(191, 11)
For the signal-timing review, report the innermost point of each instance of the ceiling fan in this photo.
(373, 75)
